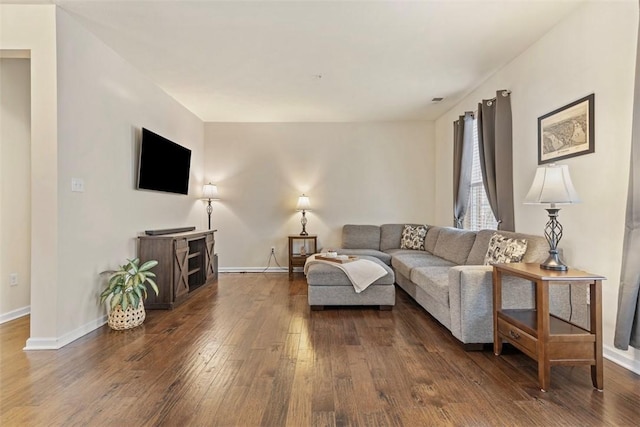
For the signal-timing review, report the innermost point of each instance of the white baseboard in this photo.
(15, 314)
(620, 359)
(254, 270)
(69, 337)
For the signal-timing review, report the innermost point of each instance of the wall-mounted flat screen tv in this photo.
(164, 165)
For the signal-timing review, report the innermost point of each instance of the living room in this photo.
(88, 103)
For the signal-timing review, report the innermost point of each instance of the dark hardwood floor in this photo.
(248, 351)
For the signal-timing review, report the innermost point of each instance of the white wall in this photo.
(353, 173)
(592, 51)
(15, 186)
(102, 104)
(32, 28)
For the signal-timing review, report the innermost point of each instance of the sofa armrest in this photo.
(471, 301)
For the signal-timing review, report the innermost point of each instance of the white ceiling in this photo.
(318, 61)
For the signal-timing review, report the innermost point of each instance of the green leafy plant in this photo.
(127, 284)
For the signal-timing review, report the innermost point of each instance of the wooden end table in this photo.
(297, 257)
(546, 338)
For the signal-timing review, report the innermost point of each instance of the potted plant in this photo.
(127, 289)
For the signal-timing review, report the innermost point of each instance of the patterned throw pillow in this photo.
(413, 237)
(504, 250)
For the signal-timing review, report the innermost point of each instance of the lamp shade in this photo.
(552, 184)
(210, 191)
(303, 203)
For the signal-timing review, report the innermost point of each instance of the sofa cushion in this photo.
(413, 237)
(434, 281)
(454, 244)
(390, 235)
(329, 275)
(537, 246)
(405, 262)
(396, 252)
(432, 238)
(504, 249)
(382, 256)
(479, 249)
(537, 249)
(361, 237)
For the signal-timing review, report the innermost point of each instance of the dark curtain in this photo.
(496, 156)
(462, 160)
(628, 317)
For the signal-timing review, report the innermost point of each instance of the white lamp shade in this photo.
(210, 191)
(303, 203)
(552, 184)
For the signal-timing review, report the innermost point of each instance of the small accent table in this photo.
(297, 255)
(546, 338)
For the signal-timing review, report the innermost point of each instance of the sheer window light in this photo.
(479, 214)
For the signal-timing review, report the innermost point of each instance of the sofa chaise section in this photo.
(330, 286)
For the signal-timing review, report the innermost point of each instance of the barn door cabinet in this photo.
(186, 262)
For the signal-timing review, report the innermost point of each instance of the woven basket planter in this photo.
(126, 319)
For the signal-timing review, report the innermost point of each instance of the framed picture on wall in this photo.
(567, 131)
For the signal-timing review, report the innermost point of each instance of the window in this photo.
(479, 214)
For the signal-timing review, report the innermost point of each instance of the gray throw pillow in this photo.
(413, 237)
(504, 250)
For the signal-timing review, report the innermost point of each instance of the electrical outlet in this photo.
(273, 249)
(77, 185)
(13, 279)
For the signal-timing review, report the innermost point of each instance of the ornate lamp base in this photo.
(553, 234)
(553, 262)
(209, 211)
(303, 221)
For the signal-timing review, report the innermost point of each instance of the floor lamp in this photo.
(209, 193)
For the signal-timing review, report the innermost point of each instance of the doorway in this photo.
(15, 184)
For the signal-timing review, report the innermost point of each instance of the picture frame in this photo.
(567, 132)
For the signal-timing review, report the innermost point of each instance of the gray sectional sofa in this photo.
(448, 279)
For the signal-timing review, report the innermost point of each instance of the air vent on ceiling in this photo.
(437, 99)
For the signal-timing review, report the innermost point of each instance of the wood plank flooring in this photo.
(247, 351)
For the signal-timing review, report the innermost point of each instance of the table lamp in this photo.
(303, 205)
(552, 185)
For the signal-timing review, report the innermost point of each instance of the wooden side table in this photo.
(546, 338)
(297, 255)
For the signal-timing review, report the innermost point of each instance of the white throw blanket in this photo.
(361, 272)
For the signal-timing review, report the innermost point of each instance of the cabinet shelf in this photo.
(186, 261)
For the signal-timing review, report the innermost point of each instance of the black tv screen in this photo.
(164, 165)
